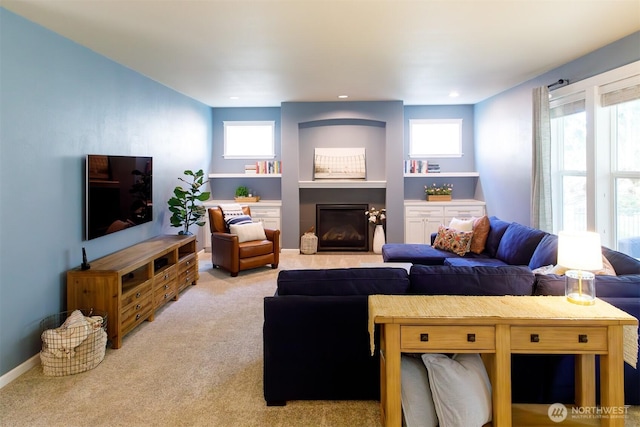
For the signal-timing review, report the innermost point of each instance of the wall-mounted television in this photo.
(119, 193)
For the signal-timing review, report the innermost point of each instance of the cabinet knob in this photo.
(424, 337)
(471, 337)
(166, 286)
(166, 296)
(138, 316)
(535, 338)
(138, 306)
(583, 338)
(137, 294)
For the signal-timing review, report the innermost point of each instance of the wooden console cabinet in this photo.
(131, 284)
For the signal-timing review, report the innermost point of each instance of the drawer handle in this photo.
(166, 296)
(138, 316)
(138, 307)
(188, 262)
(471, 337)
(583, 338)
(166, 276)
(424, 337)
(166, 286)
(137, 294)
(535, 338)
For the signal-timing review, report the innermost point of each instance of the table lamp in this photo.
(580, 251)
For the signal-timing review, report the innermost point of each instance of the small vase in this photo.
(378, 239)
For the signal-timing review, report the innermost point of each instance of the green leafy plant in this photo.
(242, 191)
(184, 204)
(445, 189)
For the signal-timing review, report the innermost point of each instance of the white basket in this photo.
(73, 342)
(308, 244)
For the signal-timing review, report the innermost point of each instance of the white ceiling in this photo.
(267, 51)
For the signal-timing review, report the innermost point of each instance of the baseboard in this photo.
(19, 370)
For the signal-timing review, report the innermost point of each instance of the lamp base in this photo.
(580, 287)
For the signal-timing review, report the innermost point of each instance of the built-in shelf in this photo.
(443, 175)
(245, 175)
(342, 183)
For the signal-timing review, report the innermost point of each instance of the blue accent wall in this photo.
(59, 102)
(503, 132)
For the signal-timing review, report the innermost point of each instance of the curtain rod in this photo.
(560, 83)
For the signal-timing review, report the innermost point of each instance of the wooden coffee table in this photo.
(497, 327)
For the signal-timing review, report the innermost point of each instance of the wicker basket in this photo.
(308, 243)
(73, 342)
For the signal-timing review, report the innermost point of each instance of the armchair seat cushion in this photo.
(255, 248)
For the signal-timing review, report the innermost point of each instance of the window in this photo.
(435, 138)
(595, 132)
(249, 140)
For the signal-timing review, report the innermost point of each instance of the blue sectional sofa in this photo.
(316, 344)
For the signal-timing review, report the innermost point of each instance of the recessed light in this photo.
(453, 94)
(234, 97)
(343, 96)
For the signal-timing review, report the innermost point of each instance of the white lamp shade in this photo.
(579, 250)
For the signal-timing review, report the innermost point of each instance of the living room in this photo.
(61, 101)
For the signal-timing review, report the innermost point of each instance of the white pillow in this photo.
(248, 232)
(461, 224)
(461, 389)
(417, 403)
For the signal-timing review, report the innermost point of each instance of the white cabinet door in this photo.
(420, 222)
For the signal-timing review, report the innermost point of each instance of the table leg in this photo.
(501, 376)
(392, 410)
(585, 380)
(612, 380)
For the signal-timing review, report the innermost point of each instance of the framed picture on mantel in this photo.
(339, 163)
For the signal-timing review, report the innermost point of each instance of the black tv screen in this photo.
(119, 193)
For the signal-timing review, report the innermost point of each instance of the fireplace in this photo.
(342, 227)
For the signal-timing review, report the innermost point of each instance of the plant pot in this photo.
(247, 199)
(439, 197)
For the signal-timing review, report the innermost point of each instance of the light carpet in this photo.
(199, 363)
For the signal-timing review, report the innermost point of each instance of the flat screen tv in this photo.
(119, 193)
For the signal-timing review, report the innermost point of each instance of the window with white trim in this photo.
(596, 157)
(435, 138)
(249, 140)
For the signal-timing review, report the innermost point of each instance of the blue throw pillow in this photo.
(518, 244)
(497, 227)
(546, 252)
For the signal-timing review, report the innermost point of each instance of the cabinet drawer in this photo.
(187, 263)
(187, 277)
(137, 294)
(265, 212)
(424, 211)
(463, 211)
(447, 338)
(135, 313)
(163, 294)
(558, 339)
(168, 276)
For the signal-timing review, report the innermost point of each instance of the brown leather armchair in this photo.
(229, 254)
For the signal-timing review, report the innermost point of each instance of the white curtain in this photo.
(541, 214)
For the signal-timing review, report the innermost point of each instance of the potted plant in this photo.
(183, 205)
(438, 193)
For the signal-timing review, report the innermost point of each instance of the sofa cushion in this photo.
(481, 227)
(343, 281)
(546, 252)
(518, 244)
(414, 253)
(622, 263)
(474, 262)
(627, 286)
(452, 240)
(445, 280)
(497, 227)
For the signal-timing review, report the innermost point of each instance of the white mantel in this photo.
(342, 183)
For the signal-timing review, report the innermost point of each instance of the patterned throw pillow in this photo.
(233, 214)
(452, 240)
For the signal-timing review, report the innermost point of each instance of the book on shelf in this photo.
(416, 166)
(265, 167)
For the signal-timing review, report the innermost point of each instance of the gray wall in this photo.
(60, 102)
(503, 130)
